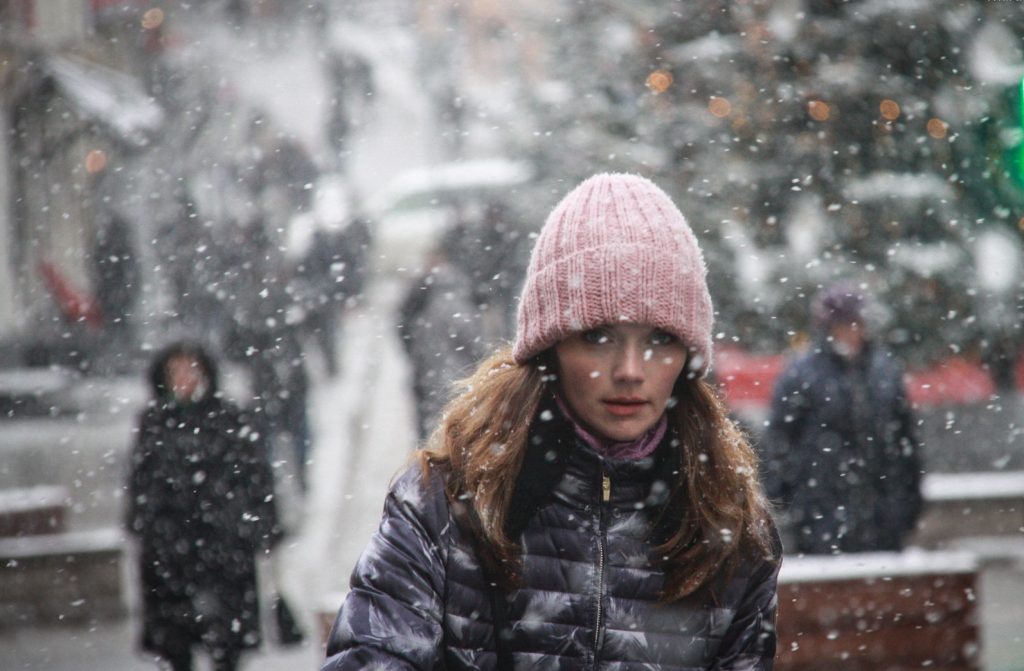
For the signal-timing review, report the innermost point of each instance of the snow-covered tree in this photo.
(806, 141)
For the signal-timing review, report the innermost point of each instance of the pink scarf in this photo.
(642, 447)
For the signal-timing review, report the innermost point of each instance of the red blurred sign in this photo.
(747, 379)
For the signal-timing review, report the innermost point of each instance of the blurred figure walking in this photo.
(328, 280)
(440, 329)
(201, 504)
(841, 451)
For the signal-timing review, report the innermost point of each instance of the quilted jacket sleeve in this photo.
(749, 643)
(391, 618)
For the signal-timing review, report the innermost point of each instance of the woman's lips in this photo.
(624, 407)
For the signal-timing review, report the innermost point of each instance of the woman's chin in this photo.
(623, 432)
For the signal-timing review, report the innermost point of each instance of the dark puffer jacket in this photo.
(841, 452)
(589, 600)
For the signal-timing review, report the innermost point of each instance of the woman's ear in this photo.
(547, 364)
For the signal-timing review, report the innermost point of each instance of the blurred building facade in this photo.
(71, 109)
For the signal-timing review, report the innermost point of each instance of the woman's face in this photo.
(186, 378)
(617, 379)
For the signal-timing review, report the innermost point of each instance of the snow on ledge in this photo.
(973, 486)
(71, 542)
(877, 565)
(29, 498)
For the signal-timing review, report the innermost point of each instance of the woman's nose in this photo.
(629, 365)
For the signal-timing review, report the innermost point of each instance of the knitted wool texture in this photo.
(615, 249)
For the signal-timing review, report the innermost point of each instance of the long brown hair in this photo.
(720, 511)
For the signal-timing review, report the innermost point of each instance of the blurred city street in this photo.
(487, 92)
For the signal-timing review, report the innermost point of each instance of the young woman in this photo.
(585, 501)
(201, 504)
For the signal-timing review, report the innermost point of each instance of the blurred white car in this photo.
(415, 208)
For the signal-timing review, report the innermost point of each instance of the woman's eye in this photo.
(660, 337)
(594, 337)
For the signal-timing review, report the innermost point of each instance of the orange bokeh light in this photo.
(819, 110)
(937, 128)
(890, 109)
(153, 18)
(720, 107)
(659, 81)
(95, 161)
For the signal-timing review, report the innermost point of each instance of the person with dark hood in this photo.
(584, 502)
(200, 502)
(841, 453)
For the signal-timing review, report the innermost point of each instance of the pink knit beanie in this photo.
(615, 249)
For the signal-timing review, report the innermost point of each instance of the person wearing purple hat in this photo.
(841, 453)
(584, 501)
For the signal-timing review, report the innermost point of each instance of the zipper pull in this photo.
(606, 488)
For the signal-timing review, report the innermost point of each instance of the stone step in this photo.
(71, 577)
(35, 392)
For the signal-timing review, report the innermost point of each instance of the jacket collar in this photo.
(557, 465)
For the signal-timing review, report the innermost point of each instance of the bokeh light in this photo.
(890, 109)
(720, 107)
(153, 18)
(819, 110)
(659, 81)
(95, 161)
(937, 128)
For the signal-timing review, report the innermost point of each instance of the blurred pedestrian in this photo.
(841, 452)
(584, 502)
(201, 504)
(328, 280)
(440, 329)
(280, 391)
(117, 281)
(317, 288)
(351, 88)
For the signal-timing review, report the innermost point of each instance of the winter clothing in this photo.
(440, 333)
(615, 249)
(200, 502)
(419, 598)
(841, 451)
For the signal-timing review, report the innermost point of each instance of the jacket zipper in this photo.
(606, 495)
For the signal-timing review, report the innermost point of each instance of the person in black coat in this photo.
(201, 505)
(841, 452)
